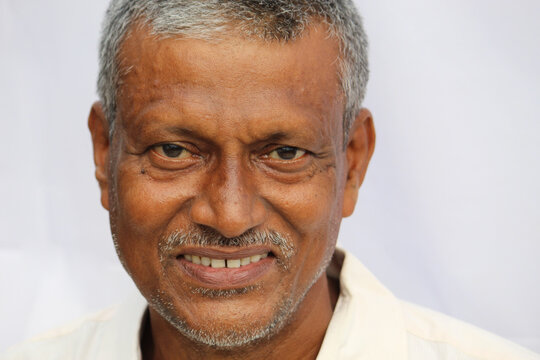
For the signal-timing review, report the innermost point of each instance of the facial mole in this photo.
(330, 166)
(143, 171)
(320, 169)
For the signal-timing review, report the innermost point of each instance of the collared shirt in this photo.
(368, 323)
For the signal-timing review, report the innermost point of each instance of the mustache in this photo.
(205, 236)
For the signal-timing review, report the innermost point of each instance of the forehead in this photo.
(250, 78)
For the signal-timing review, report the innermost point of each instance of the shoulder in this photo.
(395, 329)
(432, 334)
(102, 335)
(63, 342)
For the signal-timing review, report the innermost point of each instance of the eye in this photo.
(286, 153)
(172, 151)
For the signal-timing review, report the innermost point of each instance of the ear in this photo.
(99, 129)
(360, 146)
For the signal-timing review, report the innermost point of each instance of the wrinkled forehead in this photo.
(315, 45)
(303, 72)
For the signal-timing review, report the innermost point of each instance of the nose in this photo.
(229, 202)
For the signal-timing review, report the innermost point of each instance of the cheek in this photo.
(145, 210)
(311, 206)
(312, 212)
(149, 208)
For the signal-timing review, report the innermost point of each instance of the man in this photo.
(229, 142)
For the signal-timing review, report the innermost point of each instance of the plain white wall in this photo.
(449, 214)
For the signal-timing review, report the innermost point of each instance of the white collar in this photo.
(367, 322)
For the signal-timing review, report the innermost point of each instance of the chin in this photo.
(224, 330)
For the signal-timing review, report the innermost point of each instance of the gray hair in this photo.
(268, 20)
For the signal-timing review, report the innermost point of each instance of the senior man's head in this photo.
(229, 142)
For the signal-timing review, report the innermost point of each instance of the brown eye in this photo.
(286, 153)
(172, 151)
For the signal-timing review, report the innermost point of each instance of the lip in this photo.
(225, 253)
(225, 278)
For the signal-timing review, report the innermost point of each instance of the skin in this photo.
(231, 104)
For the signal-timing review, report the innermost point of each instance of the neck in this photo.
(300, 339)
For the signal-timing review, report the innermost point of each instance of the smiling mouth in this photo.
(225, 271)
(225, 263)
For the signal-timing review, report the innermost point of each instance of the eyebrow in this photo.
(181, 130)
(275, 136)
(185, 131)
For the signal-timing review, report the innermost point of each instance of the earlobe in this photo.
(99, 129)
(360, 147)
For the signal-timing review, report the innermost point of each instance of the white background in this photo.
(449, 214)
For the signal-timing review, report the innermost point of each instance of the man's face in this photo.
(226, 151)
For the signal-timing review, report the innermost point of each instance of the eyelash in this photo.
(189, 157)
(161, 150)
(172, 147)
(286, 149)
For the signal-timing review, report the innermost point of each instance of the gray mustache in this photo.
(205, 236)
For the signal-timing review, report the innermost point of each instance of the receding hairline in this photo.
(146, 32)
(232, 33)
(269, 20)
(141, 49)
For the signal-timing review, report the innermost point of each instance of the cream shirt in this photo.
(369, 323)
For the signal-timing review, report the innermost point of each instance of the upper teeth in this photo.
(222, 263)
